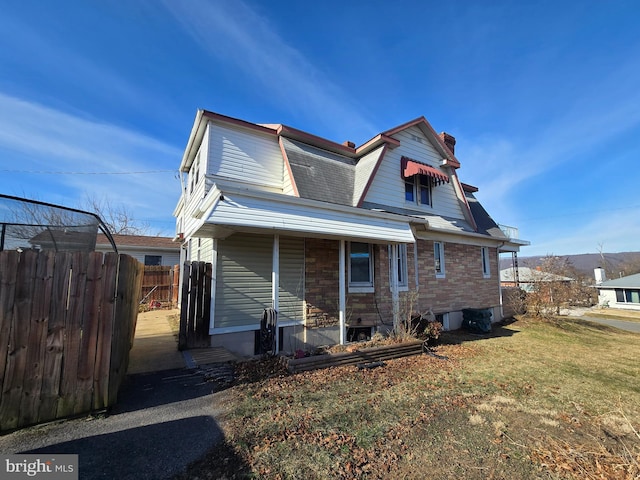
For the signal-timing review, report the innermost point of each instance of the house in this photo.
(341, 240)
(623, 292)
(61, 239)
(146, 249)
(528, 279)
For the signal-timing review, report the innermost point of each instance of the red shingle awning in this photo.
(411, 167)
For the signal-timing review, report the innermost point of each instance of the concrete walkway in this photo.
(155, 346)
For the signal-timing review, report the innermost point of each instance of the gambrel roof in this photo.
(363, 179)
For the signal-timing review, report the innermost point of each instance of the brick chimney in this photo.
(350, 144)
(449, 141)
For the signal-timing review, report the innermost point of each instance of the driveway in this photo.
(633, 325)
(162, 422)
(621, 324)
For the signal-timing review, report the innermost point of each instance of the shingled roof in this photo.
(142, 241)
(319, 174)
(486, 225)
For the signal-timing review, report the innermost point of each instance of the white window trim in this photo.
(360, 287)
(442, 273)
(402, 256)
(486, 262)
(415, 182)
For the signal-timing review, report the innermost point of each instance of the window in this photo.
(486, 269)
(409, 187)
(153, 260)
(402, 265)
(360, 267)
(438, 256)
(417, 188)
(425, 190)
(632, 296)
(194, 173)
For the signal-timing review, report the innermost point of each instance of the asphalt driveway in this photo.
(621, 324)
(162, 422)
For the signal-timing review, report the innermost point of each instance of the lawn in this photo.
(535, 399)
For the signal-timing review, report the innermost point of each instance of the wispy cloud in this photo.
(49, 61)
(235, 33)
(34, 137)
(594, 117)
(614, 231)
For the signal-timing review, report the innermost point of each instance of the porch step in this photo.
(364, 356)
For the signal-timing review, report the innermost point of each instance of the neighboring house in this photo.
(338, 239)
(147, 250)
(621, 292)
(61, 239)
(529, 278)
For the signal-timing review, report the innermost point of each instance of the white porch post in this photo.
(342, 297)
(275, 284)
(395, 299)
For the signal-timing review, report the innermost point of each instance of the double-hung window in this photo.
(486, 269)
(424, 190)
(438, 257)
(360, 267)
(401, 265)
(417, 189)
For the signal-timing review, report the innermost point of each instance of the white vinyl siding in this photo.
(243, 280)
(364, 169)
(245, 157)
(291, 291)
(206, 250)
(388, 187)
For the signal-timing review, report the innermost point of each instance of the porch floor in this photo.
(155, 346)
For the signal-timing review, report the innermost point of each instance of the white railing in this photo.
(510, 232)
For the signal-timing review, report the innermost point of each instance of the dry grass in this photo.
(536, 399)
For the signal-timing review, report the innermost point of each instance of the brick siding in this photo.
(462, 287)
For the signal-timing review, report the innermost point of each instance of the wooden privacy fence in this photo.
(67, 321)
(159, 284)
(195, 310)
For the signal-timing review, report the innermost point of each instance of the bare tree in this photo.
(558, 285)
(116, 217)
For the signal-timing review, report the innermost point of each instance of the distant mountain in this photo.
(616, 264)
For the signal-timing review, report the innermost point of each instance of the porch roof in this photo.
(229, 210)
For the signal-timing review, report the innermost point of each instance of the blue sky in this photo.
(543, 97)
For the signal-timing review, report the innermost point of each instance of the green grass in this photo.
(536, 399)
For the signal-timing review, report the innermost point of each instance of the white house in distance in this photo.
(623, 292)
(147, 250)
(341, 240)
